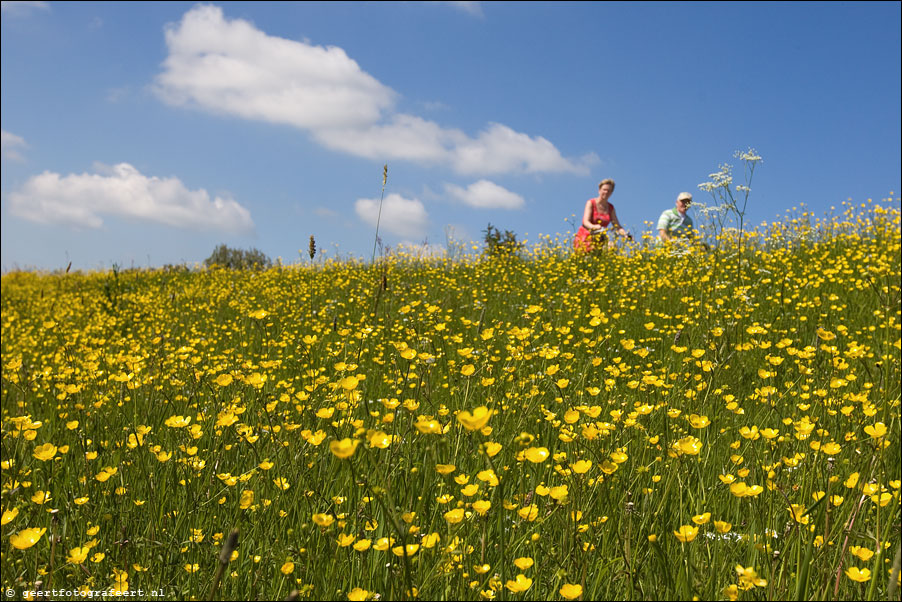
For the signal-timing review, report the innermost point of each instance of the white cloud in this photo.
(232, 68)
(10, 145)
(405, 137)
(499, 149)
(16, 8)
(486, 195)
(400, 216)
(83, 200)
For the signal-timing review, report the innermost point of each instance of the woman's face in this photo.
(604, 193)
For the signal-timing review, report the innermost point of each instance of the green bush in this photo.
(238, 259)
(498, 244)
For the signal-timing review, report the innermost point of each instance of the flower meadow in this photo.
(641, 423)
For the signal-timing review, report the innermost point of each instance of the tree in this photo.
(238, 259)
(498, 244)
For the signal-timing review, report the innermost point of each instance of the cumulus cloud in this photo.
(10, 145)
(400, 216)
(82, 200)
(403, 137)
(230, 67)
(486, 195)
(234, 68)
(499, 149)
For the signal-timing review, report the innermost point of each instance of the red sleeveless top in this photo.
(582, 241)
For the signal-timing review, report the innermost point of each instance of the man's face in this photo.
(683, 205)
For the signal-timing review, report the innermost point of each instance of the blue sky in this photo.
(142, 134)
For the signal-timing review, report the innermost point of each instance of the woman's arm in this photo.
(587, 218)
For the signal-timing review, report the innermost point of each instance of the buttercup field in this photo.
(633, 424)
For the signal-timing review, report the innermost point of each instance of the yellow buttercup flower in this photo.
(475, 421)
(428, 426)
(608, 467)
(381, 440)
(41, 497)
(178, 421)
(362, 545)
(345, 448)
(581, 466)
(798, 513)
(559, 493)
(323, 520)
(699, 422)
(748, 578)
(876, 431)
(409, 550)
(524, 563)
(864, 554)
(349, 383)
(831, 449)
(470, 490)
(536, 455)
(519, 585)
(224, 380)
(26, 538)
(492, 448)
(9, 516)
(571, 591)
(357, 594)
(618, 457)
(256, 380)
(689, 445)
(860, 575)
(686, 533)
(78, 555)
(384, 543)
(454, 516)
(45, 452)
